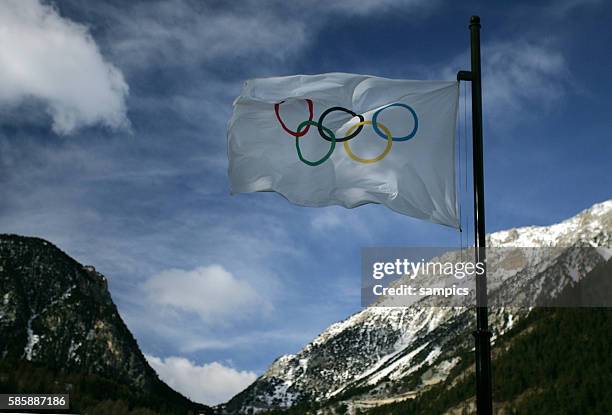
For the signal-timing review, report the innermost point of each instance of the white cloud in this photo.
(183, 32)
(517, 75)
(187, 32)
(211, 383)
(561, 8)
(326, 220)
(362, 7)
(337, 219)
(519, 72)
(211, 292)
(46, 57)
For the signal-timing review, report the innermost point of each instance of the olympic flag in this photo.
(344, 139)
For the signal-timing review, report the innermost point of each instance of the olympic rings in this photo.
(381, 156)
(322, 160)
(310, 116)
(397, 104)
(346, 138)
(351, 133)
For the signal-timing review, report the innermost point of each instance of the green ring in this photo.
(329, 132)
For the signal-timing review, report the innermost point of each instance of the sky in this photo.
(113, 147)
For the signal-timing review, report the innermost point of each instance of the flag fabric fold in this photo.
(348, 140)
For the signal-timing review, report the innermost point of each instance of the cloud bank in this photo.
(211, 292)
(211, 383)
(56, 62)
(517, 76)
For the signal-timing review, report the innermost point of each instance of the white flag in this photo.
(343, 139)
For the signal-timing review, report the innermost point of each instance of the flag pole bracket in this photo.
(464, 76)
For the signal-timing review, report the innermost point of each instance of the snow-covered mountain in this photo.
(383, 354)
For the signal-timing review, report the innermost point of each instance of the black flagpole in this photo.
(484, 402)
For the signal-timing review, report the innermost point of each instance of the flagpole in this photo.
(482, 335)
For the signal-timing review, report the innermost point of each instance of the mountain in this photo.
(553, 361)
(60, 331)
(380, 356)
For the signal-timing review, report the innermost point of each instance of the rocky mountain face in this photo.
(58, 314)
(381, 355)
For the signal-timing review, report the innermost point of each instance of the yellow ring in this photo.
(377, 158)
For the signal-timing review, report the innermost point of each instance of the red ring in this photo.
(301, 133)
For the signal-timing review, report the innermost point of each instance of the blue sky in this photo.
(112, 146)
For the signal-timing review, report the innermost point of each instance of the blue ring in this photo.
(404, 138)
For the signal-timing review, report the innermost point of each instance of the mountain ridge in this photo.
(58, 315)
(371, 352)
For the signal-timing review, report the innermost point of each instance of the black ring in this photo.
(339, 140)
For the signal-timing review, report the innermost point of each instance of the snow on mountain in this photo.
(383, 352)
